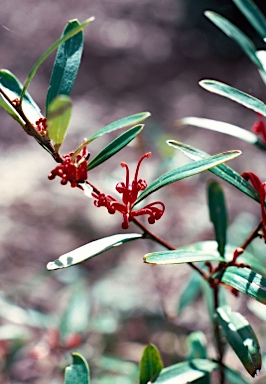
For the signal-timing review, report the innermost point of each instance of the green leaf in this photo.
(197, 345)
(253, 15)
(187, 171)
(218, 214)
(115, 146)
(118, 124)
(190, 291)
(53, 47)
(223, 171)
(246, 281)
(11, 89)
(210, 247)
(66, 64)
(234, 94)
(235, 34)
(58, 119)
(150, 365)
(186, 372)
(90, 250)
(234, 376)
(78, 372)
(180, 256)
(241, 338)
(222, 127)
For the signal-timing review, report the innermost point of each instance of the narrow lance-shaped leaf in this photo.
(223, 171)
(186, 372)
(180, 256)
(115, 146)
(50, 50)
(91, 250)
(236, 34)
(187, 171)
(11, 89)
(121, 123)
(222, 127)
(234, 94)
(118, 124)
(218, 214)
(150, 365)
(253, 15)
(241, 338)
(244, 280)
(78, 372)
(58, 119)
(66, 64)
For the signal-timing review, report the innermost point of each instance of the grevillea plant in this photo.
(217, 267)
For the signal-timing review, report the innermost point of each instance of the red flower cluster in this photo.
(72, 170)
(41, 126)
(129, 192)
(261, 189)
(259, 128)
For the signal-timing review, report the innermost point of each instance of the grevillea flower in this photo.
(73, 169)
(259, 128)
(41, 126)
(261, 189)
(129, 192)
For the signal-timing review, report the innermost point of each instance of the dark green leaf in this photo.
(223, 171)
(50, 50)
(66, 64)
(218, 214)
(245, 281)
(190, 291)
(115, 146)
(187, 171)
(222, 127)
(11, 89)
(253, 14)
(186, 372)
(234, 94)
(180, 256)
(197, 345)
(78, 372)
(58, 119)
(241, 338)
(150, 365)
(236, 34)
(91, 250)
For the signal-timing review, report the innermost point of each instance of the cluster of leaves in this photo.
(217, 263)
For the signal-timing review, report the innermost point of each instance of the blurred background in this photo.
(137, 57)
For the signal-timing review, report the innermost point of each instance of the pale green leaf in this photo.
(234, 94)
(90, 250)
(58, 119)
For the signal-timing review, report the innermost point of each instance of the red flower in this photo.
(259, 127)
(72, 170)
(129, 192)
(261, 189)
(41, 126)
